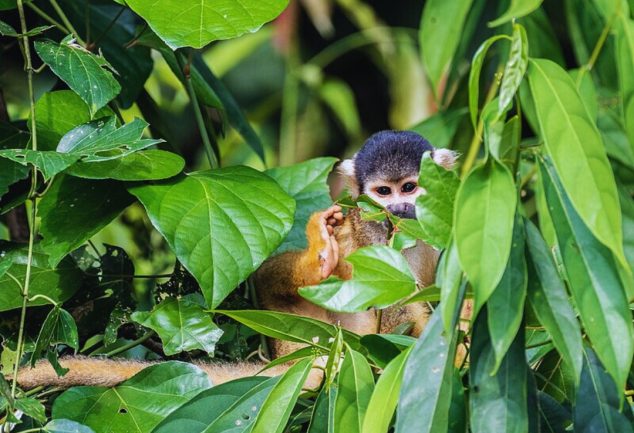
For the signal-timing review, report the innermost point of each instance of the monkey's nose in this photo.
(403, 210)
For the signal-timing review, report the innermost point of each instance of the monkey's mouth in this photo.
(402, 210)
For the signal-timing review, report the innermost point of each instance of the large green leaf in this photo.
(277, 407)
(101, 140)
(307, 183)
(593, 280)
(73, 210)
(549, 300)
(56, 113)
(425, 395)
(514, 69)
(66, 426)
(434, 209)
(507, 300)
(203, 22)
(598, 401)
(385, 396)
(449, 278)
(290, 327)
(59, 284)
(218, 408)
(221, 224)
(354, 391)
(497, 403)
(150, 164)
(440, 30)
(182, 324)
(574, 143)
(483, 224)
(517, 9)
(87, 74)
(381, 277)
(136, 405)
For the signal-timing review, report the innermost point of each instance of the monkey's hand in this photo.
(322, 244)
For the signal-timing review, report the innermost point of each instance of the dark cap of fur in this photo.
(390, 155)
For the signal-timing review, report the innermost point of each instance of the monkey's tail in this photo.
(110, 372)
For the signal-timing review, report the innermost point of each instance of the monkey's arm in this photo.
(279, 277)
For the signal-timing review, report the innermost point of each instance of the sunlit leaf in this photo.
(66, 426)
(202, 22)
(474, 76)
(58, 328)
(221, 224)
(277, 407)
(573, 141)
(515, 68)
(483, 221)
(381, 277)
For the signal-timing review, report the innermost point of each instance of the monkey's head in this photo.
(386, 169)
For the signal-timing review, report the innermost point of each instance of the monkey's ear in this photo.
(346, 169)
(445, 158)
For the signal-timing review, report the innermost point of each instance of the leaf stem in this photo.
(32, 228)
(66, 22)
(131, 344)
(108, 27)
(474, 147)
(47, 17)
(598, 46)
(40, 295)
(189, 86)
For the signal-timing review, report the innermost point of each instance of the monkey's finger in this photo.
(330, 229)
(335, 249)
(338, 216)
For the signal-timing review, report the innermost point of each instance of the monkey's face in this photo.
(398, 196)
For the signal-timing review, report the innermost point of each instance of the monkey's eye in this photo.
(384, 190)
(408, 187)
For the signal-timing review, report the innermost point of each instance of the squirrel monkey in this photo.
(386, 169)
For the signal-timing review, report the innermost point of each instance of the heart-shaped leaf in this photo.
(221, 224)
(88, 75)
(136, 405)
(201, 22)
(182, 325)
(381, 277)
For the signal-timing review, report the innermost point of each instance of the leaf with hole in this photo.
(221, 224)
(89, 75)
(152, 164)
(136, 405)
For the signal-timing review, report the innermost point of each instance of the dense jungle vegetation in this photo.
(153, 154)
